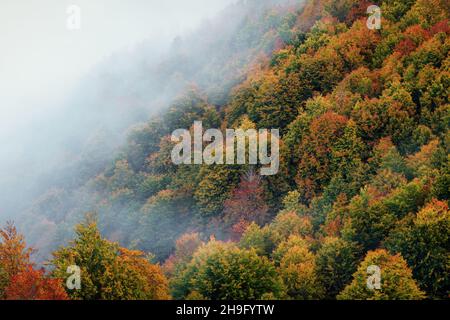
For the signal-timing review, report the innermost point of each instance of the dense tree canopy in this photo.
(396, 281)
(364, 171)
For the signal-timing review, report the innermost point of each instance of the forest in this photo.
(363, 179)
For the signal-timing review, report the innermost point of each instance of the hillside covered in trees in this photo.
(364, 173)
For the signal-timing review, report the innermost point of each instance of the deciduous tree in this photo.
(396, 279)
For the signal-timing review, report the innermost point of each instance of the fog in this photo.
(43, 62)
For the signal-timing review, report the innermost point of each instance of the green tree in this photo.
(108, 272)
(246, 205)
(371, 217)
(396, 278)
(164, 218)
(299, 271)
(15, 256)
(215, 186)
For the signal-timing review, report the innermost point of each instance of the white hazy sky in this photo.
(40, 58)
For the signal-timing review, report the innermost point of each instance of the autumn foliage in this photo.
(31, 284)
(364, 174)
(19, 278)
